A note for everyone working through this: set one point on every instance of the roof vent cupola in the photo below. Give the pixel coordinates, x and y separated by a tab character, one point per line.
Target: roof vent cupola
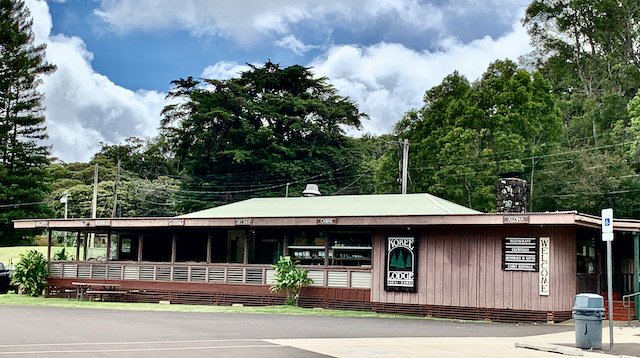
311	190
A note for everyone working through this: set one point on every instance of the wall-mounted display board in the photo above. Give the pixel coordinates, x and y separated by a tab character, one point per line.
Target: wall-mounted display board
520	254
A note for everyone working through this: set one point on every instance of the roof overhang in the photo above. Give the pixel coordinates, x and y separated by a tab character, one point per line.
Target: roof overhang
556	218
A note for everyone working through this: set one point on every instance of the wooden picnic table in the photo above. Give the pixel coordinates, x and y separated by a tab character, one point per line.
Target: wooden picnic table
83	288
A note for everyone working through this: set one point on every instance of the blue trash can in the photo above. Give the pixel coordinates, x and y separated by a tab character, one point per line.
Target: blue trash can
588	313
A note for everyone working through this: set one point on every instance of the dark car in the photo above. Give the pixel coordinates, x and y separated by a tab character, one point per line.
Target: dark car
5	279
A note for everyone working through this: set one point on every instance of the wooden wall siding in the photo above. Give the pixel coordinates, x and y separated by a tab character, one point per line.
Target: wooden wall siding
462	267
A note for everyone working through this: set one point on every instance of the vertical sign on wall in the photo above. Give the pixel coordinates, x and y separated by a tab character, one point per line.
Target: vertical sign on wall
545	251
401	265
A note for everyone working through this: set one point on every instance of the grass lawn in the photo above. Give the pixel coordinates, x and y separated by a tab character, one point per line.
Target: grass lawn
11	255
11	299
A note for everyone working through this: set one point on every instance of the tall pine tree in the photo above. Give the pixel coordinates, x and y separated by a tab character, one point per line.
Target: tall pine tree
23	182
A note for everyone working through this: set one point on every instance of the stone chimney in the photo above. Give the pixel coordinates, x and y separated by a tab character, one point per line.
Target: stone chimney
512	195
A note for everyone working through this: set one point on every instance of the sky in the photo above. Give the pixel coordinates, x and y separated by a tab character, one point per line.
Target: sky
116	58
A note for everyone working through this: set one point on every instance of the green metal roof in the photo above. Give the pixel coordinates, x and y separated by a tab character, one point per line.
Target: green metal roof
336	206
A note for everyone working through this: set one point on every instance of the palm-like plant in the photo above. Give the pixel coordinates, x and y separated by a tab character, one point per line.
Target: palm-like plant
290	278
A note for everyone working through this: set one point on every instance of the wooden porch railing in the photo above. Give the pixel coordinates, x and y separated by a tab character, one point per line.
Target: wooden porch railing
204	273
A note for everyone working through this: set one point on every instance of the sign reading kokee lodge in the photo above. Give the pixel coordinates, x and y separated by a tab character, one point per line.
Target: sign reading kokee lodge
520	254
401	265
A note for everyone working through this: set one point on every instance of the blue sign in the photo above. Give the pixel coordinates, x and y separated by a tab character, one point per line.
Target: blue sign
607	224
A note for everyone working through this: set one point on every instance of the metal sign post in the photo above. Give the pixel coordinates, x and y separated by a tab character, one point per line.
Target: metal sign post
607	235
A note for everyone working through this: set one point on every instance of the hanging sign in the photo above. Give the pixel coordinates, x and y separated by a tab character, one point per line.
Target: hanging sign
327	221
102	222
544	279
176	222
515	219
244	222
401	264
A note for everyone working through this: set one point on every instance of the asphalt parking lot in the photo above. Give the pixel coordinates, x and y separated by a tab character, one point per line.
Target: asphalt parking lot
63	332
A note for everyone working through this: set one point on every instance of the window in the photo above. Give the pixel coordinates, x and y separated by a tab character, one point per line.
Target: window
229	247
340	248
265	246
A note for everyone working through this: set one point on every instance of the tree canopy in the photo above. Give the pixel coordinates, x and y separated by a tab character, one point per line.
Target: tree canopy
590	52
23	180
250	136
467	134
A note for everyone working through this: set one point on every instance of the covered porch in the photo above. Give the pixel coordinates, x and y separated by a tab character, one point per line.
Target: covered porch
463	266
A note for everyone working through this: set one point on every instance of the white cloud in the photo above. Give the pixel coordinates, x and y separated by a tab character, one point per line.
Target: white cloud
295	45
224	70
248	20
387	80
84	108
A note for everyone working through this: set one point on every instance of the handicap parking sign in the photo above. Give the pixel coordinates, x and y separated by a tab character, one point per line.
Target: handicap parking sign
607	224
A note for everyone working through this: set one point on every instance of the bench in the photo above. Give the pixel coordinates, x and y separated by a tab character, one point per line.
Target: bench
102	293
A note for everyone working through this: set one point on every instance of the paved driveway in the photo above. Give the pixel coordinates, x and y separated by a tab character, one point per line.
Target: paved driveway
63	332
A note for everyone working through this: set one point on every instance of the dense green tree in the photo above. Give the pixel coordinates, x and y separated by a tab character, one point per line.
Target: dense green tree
137	197
23	181
149	158
590	51
589	181
466	134
250	136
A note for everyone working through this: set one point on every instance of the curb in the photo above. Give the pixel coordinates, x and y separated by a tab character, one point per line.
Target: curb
576	352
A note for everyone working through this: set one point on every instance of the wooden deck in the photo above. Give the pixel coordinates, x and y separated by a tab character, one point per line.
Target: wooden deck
339	277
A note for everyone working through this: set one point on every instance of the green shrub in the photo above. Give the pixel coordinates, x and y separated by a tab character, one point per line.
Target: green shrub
61	255
290	279
31	273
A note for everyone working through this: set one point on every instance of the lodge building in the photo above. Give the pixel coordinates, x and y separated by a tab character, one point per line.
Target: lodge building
413	254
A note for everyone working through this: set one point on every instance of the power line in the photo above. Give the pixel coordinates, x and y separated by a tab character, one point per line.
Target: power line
472	158
26	204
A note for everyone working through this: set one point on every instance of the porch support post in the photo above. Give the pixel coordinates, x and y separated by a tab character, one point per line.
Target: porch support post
140	243
245	256
636	268
78	243
174	245
285	244
85	243
119	247
326	257
49	245
107	256
209	240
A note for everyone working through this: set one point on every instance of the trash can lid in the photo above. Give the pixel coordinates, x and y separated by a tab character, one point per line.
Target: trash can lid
588	300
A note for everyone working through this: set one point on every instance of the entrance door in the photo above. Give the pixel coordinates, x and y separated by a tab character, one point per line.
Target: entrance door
235	245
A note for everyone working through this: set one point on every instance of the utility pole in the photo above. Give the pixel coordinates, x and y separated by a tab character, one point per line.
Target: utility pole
94	201
64	200
404	164
115	192
400	156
